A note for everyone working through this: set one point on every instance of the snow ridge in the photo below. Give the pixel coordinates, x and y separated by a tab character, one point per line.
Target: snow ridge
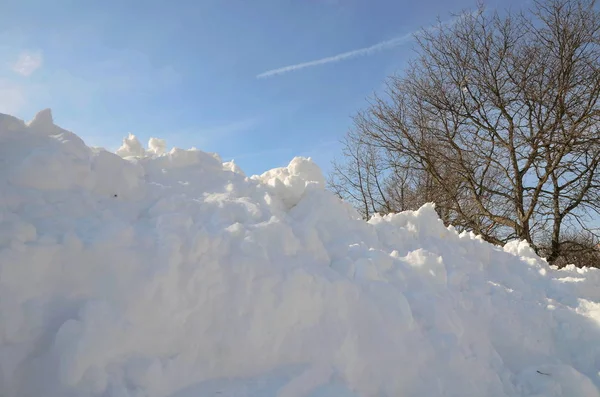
156	272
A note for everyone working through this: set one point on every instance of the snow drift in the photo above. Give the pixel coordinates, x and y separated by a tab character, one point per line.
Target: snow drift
156	272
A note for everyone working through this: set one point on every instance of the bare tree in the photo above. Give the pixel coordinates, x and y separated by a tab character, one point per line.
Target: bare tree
498	117
363	179
578	248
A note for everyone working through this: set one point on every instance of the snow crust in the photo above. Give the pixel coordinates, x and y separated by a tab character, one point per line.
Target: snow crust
156	272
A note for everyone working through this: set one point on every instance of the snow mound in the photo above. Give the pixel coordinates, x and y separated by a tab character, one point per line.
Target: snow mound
291	182
170	273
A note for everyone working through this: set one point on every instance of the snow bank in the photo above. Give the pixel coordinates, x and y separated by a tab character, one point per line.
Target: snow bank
170	273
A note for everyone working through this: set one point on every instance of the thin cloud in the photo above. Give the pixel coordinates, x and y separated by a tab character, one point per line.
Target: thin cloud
28	62
12	98
260	153
382	46
229	128
208	136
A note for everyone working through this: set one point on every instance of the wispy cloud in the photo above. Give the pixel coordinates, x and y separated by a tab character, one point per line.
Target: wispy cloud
28	62
12	97
229	128
261	153
382	46
211	135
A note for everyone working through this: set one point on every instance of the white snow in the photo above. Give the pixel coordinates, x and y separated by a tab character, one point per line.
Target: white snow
170	273
131	147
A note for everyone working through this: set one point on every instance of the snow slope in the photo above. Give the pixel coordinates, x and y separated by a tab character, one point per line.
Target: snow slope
170	273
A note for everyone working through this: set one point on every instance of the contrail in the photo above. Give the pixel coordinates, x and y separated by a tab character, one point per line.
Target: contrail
384	45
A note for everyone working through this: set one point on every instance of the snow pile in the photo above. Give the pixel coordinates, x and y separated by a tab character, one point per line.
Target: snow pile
161	272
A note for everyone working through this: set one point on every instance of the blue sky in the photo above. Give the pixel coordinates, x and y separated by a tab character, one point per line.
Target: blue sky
257	81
